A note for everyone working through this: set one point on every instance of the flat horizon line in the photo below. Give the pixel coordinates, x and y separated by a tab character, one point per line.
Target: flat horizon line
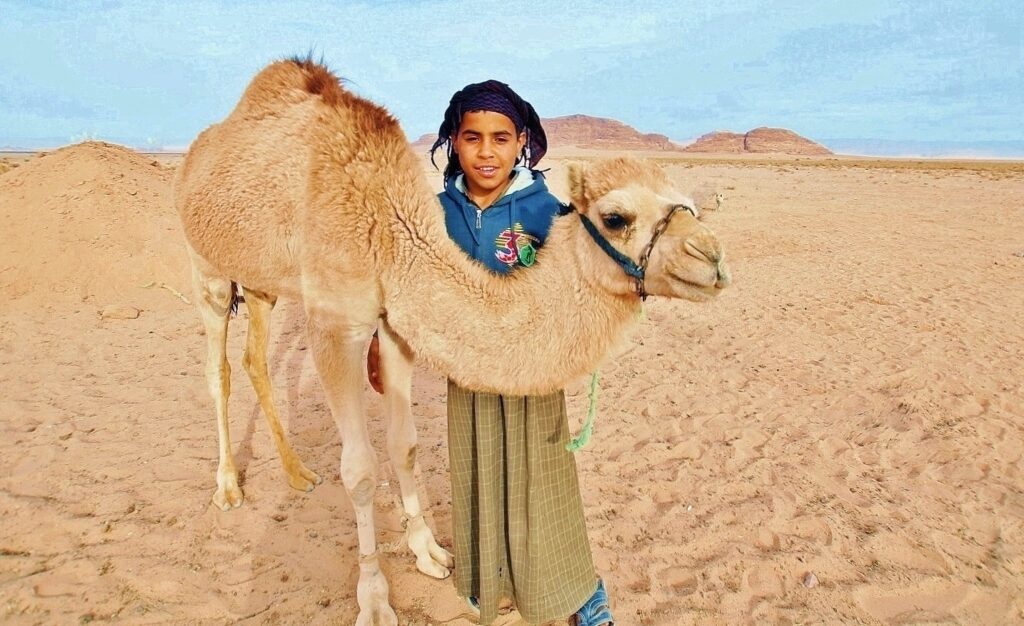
693	156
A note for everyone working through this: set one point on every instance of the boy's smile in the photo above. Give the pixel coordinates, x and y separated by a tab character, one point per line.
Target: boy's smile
488	147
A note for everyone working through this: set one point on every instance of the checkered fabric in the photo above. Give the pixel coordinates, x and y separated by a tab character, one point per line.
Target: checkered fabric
517	513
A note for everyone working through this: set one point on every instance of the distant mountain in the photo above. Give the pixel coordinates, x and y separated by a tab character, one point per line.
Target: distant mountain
584	131
1005	149
758	141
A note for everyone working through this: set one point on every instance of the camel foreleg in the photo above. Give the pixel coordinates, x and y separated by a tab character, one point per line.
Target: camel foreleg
338	355
396	369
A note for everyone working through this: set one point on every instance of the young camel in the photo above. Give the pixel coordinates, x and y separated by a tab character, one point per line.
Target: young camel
309	192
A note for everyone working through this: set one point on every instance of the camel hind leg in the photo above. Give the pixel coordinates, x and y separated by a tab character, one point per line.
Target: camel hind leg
396	370
259	306
213	298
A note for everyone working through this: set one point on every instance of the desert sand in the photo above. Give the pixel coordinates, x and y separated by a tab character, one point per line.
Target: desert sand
837	439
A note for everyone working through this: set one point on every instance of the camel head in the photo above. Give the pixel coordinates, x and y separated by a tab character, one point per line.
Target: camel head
628	201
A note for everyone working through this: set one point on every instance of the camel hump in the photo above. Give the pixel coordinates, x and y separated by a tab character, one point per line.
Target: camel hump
286	83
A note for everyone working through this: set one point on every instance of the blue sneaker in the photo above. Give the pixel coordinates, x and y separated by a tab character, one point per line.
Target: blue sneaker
595	611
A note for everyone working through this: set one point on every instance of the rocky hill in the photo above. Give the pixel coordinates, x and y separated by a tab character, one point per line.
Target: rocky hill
584	131
758	141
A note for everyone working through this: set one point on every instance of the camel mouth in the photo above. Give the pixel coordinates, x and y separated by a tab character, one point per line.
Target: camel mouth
691	289
697	293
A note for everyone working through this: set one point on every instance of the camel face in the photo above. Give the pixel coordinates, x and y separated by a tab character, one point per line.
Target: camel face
626	199
687	262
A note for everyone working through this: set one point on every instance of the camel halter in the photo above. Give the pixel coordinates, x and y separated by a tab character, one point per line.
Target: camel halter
634	269
637	271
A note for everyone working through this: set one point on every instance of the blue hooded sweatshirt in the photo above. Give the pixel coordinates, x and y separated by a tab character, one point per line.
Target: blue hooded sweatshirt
508	233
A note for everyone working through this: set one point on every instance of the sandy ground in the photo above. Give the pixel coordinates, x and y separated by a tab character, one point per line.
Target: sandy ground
837	439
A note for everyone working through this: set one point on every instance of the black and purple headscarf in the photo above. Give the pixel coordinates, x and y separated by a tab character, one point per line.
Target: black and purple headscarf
490	95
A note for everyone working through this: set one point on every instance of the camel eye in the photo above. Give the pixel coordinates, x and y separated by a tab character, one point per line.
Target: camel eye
614	221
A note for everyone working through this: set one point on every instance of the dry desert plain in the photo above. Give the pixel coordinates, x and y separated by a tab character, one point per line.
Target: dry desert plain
837	439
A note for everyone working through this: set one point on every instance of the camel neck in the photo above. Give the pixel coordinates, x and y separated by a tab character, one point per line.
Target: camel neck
516	324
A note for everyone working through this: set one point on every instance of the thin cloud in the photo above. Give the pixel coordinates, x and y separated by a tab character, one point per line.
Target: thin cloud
865	69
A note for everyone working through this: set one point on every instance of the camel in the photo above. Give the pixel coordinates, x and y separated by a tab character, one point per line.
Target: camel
307	191
708	200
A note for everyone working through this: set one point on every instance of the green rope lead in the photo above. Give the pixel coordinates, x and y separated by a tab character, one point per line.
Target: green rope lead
581	440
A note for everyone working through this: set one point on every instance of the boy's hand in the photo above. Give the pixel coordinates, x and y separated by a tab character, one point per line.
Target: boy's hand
373	365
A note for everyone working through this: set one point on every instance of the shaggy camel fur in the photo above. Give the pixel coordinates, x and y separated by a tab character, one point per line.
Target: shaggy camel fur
309	192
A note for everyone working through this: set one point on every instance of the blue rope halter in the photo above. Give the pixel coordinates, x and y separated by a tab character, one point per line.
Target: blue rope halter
634	269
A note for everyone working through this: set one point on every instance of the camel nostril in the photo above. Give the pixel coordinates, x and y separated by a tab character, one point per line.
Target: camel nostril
724	276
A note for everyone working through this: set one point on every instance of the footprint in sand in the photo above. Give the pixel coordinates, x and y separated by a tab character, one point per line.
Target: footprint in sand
680	580
748	447
935	601
832	448
808	527
891	549
763	581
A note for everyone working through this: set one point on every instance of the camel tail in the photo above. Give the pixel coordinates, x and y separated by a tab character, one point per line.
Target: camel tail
236	297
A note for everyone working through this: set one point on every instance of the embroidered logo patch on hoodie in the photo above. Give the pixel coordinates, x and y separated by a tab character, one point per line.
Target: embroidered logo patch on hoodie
515	245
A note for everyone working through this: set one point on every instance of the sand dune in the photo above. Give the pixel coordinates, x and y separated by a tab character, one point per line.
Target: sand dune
838	439
90	222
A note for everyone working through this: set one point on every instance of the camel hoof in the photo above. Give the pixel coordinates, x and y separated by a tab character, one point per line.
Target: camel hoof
374	609
442	556
304	479
437	563
228	498
378	616
432	568
372	595
431	559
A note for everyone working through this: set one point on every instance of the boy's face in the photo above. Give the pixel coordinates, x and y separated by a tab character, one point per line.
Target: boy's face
487	146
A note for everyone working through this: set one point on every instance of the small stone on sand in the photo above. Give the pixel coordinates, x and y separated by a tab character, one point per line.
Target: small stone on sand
767	540
119	312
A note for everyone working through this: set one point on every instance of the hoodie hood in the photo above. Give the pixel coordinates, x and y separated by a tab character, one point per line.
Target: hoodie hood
508	233
525	182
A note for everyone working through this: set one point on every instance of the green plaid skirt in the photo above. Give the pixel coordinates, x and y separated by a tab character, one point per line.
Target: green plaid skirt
517	515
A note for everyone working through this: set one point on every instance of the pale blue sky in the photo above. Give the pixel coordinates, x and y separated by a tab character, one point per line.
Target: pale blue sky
159	72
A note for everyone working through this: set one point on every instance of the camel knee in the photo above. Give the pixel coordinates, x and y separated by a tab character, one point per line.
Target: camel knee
361	490
216	294
358	473
253	363
402	443
403	455
410	458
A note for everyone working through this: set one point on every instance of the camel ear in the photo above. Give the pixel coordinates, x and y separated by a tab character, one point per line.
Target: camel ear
577	185
694	204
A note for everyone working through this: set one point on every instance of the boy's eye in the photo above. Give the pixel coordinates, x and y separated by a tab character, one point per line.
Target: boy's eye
614	221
